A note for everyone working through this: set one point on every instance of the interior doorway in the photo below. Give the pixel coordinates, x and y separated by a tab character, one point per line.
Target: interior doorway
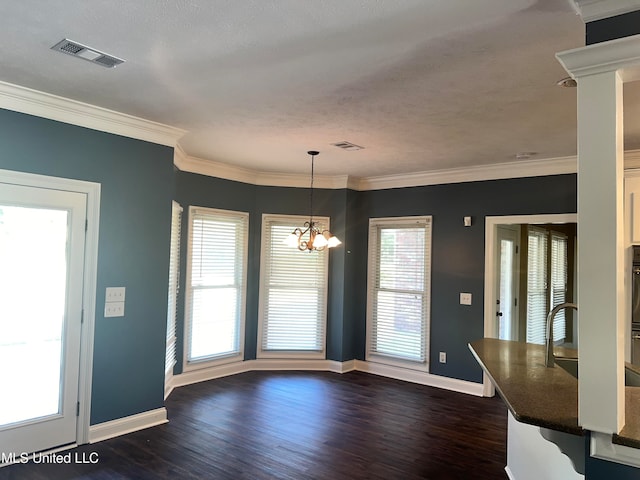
500	284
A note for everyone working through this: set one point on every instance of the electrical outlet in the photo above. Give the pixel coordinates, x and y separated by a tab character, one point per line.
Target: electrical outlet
465	299
443	357
114	309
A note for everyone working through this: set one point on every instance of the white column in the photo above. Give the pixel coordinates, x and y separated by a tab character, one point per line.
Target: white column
601	265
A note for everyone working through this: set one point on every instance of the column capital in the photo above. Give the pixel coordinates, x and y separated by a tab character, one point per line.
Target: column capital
621	55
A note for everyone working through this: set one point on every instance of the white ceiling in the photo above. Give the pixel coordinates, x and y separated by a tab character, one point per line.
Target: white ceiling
421	84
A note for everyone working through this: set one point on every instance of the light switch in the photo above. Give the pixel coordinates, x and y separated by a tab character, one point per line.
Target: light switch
114	309
114	302
465	299
115	294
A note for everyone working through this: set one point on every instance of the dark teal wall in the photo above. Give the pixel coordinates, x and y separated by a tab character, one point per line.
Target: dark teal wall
203	191
200	190
611	28
458	253
135	213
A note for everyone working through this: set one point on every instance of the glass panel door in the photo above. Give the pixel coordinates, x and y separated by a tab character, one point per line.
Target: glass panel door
42	234
34	259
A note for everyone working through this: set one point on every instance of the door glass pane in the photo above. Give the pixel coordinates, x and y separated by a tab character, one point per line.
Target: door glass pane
537	287
559	277
33	277
506	289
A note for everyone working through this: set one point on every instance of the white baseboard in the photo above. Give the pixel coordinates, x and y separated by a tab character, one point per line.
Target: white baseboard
219	371
209	373
169	385
422	378
509	474
132	423
603	448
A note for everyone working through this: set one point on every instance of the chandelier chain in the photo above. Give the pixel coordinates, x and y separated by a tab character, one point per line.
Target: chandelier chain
311	193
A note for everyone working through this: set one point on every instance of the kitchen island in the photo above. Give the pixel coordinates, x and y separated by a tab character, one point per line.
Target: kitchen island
542	396
535	394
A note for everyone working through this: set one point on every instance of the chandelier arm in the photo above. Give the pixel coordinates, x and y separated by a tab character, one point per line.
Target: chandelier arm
318	239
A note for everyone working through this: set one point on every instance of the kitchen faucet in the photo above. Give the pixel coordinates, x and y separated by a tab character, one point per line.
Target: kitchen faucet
549	360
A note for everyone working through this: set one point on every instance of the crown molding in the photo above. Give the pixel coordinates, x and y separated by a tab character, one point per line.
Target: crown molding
45	105
25	100
212	168
591	10
621	54
528	168
496	171
519	169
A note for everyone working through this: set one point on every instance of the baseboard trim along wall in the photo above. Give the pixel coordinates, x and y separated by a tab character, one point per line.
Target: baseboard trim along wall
219	371
132	423
423	378
398	373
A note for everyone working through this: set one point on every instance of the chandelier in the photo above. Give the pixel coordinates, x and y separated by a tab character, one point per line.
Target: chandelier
310	237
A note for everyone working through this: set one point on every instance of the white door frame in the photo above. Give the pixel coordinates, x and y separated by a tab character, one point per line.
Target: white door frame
490	236
92	192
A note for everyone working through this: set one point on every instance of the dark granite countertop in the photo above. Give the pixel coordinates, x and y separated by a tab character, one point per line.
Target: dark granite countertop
535	394
546	397
630	434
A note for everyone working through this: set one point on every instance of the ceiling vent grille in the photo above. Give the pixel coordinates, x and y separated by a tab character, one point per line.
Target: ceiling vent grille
92	55
351	147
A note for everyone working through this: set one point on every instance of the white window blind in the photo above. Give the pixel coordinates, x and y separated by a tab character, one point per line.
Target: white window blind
174	277
559	275
293	292
399	289
537	287
216	284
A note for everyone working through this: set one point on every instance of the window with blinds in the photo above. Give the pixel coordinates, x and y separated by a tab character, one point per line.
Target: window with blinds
537	286
293	292
216	285
547	279
172	303
559	279
398	297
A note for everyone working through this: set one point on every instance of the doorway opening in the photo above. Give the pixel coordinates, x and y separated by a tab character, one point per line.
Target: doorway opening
529	268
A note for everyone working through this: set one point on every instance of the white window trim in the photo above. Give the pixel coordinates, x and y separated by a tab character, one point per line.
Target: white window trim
371	273
260	353
238	356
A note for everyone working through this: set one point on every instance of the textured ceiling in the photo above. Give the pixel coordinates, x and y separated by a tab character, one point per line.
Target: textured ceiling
421	84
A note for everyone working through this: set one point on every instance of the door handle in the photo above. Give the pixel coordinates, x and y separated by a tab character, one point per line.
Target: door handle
499	314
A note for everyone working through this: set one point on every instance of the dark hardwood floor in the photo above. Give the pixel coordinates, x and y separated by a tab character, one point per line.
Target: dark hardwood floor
302	425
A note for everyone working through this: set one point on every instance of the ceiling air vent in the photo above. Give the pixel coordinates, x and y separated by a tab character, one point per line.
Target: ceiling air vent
351	147
87	53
